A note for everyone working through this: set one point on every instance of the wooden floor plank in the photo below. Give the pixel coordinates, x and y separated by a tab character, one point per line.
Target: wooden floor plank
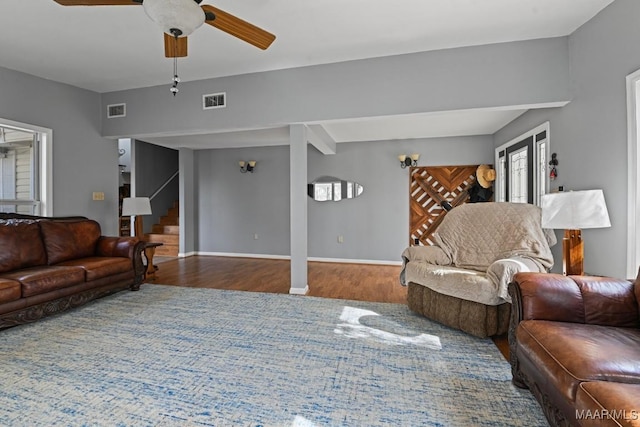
362	282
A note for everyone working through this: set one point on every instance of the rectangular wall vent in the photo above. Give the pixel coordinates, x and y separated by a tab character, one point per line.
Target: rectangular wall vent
214	100
116	110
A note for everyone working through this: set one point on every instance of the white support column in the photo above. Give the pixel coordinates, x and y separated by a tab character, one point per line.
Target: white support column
298	206
187	209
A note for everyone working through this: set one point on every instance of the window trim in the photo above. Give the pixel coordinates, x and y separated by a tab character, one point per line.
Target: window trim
45	172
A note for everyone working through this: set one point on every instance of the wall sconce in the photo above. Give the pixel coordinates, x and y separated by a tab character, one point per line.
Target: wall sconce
411	160
247	166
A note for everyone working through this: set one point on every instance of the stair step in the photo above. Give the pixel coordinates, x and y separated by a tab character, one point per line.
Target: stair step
167	220
167	232
167	239
165	229
167	250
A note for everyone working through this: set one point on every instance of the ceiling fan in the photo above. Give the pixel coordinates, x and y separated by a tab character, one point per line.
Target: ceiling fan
179	18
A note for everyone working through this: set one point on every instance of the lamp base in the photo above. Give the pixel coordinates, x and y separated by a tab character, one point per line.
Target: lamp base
138	228
572	253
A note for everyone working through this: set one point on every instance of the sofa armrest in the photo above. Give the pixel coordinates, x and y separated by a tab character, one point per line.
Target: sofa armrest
579	299
431	254
117	246
128	247
501	272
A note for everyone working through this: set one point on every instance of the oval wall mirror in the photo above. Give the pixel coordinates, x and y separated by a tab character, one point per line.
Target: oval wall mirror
330	188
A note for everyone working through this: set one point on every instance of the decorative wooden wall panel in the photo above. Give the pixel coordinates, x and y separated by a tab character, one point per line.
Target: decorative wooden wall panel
429	186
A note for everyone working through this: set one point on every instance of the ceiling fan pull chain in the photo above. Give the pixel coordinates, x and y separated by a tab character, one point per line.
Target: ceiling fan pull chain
176	79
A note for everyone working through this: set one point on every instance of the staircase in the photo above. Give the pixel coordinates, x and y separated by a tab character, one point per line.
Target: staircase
167	233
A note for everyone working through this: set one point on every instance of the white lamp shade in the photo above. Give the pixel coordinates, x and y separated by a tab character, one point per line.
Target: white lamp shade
574	210
132	206
184	15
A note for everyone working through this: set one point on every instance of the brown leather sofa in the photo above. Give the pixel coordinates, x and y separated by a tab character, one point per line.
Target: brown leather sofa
575	343
49	265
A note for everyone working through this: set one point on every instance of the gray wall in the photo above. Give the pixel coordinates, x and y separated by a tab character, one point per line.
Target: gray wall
497	75
589	134
233	206
154	165
83	161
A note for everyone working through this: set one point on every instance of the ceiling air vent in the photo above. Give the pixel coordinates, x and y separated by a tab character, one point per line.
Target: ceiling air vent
116	110
214	100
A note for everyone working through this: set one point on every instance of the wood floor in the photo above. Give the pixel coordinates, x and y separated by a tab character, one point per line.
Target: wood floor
360	282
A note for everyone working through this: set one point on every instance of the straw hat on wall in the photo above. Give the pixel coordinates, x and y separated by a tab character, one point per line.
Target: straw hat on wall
485	175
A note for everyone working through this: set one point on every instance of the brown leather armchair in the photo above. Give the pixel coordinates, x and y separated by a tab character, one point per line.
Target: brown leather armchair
575	343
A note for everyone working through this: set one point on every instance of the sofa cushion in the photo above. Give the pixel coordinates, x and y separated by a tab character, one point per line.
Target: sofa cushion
21	245
99	267
9	290
39	280
607	301
570	353
456	282
605	403
65	241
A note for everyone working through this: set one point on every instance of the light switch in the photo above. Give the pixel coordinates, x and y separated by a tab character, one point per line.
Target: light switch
98	195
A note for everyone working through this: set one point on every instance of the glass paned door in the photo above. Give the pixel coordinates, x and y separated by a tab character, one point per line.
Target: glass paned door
518	176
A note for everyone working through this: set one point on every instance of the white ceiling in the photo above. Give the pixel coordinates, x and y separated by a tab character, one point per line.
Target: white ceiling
111	48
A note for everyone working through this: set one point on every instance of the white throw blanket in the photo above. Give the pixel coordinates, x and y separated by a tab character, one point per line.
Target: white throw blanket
494	240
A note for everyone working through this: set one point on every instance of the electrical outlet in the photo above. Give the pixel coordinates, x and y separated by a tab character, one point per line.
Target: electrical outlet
255	236
340	239
98	195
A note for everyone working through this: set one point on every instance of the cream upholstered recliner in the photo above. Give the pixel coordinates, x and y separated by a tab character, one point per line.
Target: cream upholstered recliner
461	281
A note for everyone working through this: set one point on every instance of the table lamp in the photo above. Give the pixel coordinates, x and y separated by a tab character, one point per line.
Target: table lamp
574	211
136	206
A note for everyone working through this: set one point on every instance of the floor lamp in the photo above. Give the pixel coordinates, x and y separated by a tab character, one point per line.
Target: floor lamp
574	211
136	206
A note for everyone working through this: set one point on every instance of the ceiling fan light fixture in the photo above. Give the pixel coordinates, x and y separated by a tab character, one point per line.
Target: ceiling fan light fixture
184	15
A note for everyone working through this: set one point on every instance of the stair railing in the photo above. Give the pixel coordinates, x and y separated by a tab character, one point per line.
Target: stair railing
164	185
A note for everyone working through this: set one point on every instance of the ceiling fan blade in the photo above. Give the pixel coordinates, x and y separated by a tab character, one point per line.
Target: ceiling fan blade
175	48
238	28
99	2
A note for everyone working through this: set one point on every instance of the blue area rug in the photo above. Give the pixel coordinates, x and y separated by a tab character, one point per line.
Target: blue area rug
170	356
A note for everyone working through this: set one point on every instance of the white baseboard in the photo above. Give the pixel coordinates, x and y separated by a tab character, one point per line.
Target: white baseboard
239	255
313	259
188	254
355	261
299	291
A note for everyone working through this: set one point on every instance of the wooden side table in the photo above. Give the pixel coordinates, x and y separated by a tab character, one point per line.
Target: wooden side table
149	251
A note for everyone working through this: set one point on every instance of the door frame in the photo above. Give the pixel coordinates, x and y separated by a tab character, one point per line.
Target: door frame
533	162
633	160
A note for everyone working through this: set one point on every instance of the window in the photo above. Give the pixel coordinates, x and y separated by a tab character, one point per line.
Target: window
541	150
501	178
521	167
24	177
